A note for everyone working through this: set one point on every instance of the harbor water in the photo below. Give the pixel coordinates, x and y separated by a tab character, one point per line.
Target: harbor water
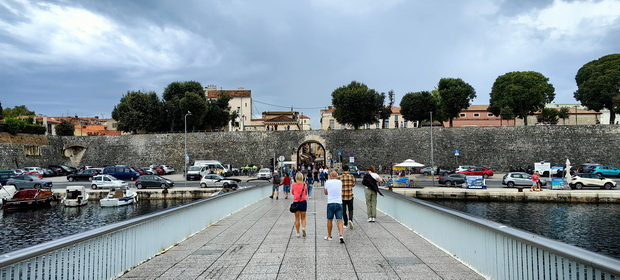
22	229
594	227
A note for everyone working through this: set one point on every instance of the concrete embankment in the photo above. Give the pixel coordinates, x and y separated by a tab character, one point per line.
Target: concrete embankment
513	195
178	193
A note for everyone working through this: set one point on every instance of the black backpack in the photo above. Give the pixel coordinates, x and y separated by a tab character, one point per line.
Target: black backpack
276	179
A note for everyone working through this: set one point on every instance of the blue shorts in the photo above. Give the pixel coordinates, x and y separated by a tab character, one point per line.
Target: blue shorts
334	209
276	187
286	188
302	206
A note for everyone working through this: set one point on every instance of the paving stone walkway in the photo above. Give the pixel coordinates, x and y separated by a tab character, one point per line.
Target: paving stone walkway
259	242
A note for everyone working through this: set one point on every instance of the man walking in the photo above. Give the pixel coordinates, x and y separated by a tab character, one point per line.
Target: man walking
275	180
333	190
348	182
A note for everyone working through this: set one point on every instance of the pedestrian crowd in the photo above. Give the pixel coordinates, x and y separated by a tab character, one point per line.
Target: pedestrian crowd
338	190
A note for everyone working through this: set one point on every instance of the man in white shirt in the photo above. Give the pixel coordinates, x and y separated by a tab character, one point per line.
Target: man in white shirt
333	190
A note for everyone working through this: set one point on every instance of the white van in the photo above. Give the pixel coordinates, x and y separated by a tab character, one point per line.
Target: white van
204	167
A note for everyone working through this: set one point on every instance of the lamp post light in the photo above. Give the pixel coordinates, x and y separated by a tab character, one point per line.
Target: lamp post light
185	156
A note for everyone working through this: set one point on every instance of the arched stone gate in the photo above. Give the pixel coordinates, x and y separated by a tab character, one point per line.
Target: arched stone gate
312	150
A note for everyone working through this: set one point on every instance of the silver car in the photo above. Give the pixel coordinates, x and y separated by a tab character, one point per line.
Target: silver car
104	181
513	179
264	173
27	181
216	180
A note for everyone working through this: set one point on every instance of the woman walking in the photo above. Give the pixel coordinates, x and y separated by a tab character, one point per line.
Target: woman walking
299	191
310	180
370	181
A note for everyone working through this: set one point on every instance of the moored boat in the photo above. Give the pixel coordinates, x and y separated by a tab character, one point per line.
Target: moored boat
75	196
7	192
119	197
28	198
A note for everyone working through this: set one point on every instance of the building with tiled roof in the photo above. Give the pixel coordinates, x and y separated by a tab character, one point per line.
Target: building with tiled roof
280	121
86	126
241	102
395	120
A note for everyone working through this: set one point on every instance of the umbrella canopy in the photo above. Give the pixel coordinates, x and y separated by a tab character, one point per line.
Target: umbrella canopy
409	163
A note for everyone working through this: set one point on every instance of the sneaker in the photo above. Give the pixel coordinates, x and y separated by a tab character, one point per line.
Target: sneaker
341	239
303	232
271	196
328	238
350	224
297	235
374	220
286	197
276	197
369	220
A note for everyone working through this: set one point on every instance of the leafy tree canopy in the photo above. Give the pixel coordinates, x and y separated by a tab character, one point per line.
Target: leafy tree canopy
356	104
17	111
386	111
172	96
598	85
218	112
455	95
522	93
416	106
548	116
139	111
65	128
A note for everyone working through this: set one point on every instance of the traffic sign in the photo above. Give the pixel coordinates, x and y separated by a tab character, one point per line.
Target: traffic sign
281	158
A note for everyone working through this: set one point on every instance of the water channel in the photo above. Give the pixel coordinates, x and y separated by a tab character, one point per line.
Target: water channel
21	229
594	227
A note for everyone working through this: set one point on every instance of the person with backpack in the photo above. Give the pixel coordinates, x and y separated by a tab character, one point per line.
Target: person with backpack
275	180
310	181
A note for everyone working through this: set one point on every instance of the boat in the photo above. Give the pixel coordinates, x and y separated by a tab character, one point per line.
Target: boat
75	196
7	192
28	199
119	197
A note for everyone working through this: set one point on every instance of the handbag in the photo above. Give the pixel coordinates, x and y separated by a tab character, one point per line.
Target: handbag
294	205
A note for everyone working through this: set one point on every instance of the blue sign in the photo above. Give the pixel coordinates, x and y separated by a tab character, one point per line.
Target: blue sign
475	182
557	183
339	153
456	152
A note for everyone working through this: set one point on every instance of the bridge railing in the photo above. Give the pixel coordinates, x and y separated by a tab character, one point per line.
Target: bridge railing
107	252
493	249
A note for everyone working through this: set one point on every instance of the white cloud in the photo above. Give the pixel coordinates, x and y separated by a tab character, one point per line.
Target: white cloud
59	35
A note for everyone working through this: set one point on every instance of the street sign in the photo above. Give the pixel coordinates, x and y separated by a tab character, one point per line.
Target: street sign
456	152
339	153
281	158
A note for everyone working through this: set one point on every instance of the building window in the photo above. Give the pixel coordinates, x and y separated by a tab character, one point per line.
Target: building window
489	114
331	124
405	124
461	115
476	115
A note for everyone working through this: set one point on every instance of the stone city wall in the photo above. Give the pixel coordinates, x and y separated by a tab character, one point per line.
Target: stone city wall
494	147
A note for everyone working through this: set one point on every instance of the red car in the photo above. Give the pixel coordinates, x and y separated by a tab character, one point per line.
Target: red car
478	171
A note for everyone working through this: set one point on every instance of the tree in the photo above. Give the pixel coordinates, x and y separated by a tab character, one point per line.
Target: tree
522	93
17	111
455	95
139	111
563	114
172	96
65	128
548	116
1	113
218	112
416	106
356	104
386	111
598	85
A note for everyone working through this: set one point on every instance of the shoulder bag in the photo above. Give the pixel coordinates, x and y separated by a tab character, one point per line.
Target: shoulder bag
294	205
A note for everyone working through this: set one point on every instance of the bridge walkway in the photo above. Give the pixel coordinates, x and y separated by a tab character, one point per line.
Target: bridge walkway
258	242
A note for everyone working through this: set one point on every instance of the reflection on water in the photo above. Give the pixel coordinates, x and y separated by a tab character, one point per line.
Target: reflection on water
593	227
21	229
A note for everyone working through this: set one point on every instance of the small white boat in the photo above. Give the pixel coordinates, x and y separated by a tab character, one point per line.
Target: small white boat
7	192
75	196
119	197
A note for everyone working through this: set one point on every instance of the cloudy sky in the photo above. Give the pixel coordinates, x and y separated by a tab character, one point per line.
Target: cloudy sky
70	57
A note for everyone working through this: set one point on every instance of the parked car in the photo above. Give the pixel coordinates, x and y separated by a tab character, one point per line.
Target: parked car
61	170
122	172
478	171
36	171
513	179
148	170
103	181
48	172
153	181
5	175
587	167
427	171
83	175
452	179
168	169
216	180
157	169
580	180
264	173
463	168
193	173
606	170
27	181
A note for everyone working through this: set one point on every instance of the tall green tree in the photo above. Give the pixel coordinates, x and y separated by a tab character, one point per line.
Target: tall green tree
417	106
65	128
218	112
139	111
174	111
356	104
523	93
197	105
17	111
455	95
386	111
1	112
563	114
598	85
548	116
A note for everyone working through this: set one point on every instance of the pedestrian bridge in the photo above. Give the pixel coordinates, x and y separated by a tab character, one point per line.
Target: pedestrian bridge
411	239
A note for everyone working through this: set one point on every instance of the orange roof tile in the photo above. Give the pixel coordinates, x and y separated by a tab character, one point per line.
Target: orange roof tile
232	93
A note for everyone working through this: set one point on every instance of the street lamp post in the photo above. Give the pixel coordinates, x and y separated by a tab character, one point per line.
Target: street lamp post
185	157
